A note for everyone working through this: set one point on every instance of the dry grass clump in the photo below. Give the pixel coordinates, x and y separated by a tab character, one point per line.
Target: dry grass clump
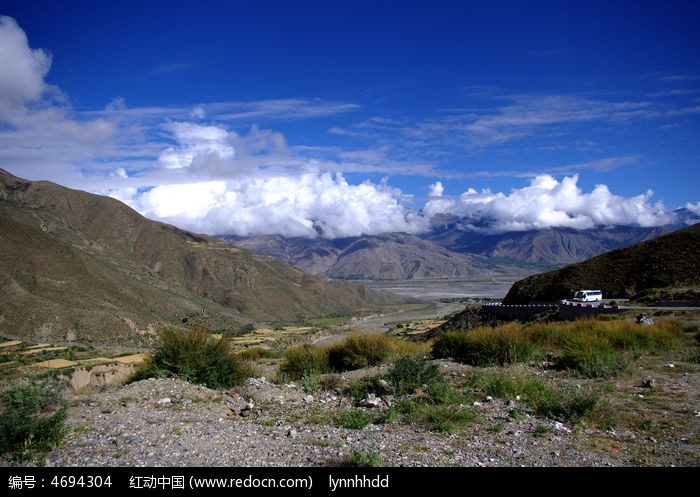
591	347
195	356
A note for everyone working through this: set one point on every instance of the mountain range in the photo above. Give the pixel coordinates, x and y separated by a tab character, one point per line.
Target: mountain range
447	251
82	268
389	256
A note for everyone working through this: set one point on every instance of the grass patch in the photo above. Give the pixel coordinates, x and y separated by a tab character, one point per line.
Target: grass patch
570	404
356	419
447	418
256	353
595	347
327	321
541	431
486	346
311	384
355	352
592	355
401	348
498	385
441	394
441	418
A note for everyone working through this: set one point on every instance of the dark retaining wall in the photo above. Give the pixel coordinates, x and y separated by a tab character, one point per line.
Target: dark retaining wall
564	310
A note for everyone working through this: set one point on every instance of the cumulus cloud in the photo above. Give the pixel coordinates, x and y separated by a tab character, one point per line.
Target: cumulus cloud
23	70
436	189
306	201
39	132
248	192
547	202
311	204
195	141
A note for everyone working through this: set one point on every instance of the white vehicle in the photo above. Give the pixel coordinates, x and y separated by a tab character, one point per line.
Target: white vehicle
588	296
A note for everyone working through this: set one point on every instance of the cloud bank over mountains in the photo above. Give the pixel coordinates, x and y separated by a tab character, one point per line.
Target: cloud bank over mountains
306	201
547	202
187	167
324	204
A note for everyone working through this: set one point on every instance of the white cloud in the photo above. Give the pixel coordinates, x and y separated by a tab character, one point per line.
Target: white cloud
694	208
436	189
291	108
39	133
547	202
311	204
23	70
198	112
526	115
194	142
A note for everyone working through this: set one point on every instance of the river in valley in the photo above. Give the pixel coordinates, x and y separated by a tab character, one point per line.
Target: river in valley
442	297
432	290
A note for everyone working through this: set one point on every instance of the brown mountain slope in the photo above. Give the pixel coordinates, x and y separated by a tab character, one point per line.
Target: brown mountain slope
668	261
78	267
388	256
403	256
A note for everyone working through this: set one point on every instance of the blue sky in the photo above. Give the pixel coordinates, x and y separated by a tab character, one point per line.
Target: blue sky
342	118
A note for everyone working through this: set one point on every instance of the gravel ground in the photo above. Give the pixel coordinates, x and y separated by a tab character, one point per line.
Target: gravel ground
171	423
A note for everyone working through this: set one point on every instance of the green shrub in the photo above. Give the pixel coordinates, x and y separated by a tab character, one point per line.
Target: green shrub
593	356
355	419
409	373
311	384
246	328
541	431
359	351
32	418
195	356
450	345
408	408
691	328
302	360
364	459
